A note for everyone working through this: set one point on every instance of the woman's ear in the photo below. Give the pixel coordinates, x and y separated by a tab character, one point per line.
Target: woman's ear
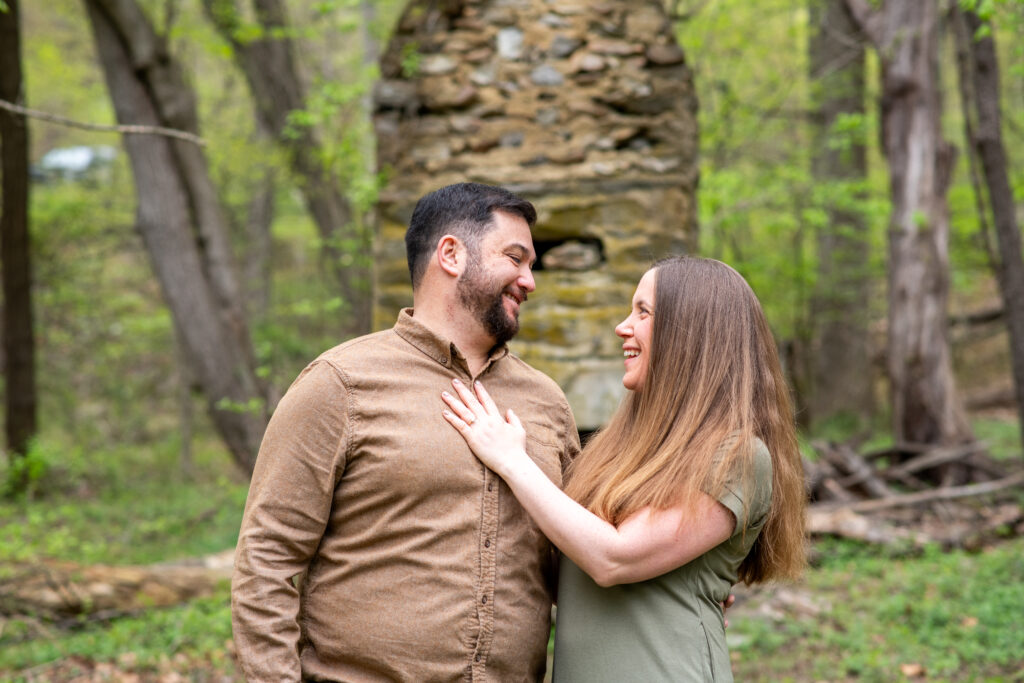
451	255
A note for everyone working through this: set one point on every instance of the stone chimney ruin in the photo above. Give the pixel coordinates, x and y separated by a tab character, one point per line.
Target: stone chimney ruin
584	107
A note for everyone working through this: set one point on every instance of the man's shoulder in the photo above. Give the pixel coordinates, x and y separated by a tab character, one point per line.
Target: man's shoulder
358	350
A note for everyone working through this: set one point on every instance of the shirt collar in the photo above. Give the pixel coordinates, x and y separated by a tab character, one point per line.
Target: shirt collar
435	346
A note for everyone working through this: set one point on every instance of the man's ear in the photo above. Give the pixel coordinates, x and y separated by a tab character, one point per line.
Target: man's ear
451	255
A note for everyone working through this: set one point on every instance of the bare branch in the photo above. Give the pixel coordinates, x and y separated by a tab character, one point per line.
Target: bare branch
947	493
868	19
125	129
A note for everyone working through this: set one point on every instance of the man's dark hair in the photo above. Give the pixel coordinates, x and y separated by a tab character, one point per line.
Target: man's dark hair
465	210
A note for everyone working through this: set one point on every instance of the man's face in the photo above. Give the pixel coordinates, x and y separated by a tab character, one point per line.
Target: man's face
499	276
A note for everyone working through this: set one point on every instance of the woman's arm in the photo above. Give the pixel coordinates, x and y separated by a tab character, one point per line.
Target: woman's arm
647	544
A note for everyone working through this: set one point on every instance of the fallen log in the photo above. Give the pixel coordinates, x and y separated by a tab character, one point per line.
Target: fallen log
846	523
60	589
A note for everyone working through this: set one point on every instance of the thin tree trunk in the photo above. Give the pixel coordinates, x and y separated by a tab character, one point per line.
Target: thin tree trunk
272	72
181	222
988	144
925	405
186	414
15	253
259	219
841	377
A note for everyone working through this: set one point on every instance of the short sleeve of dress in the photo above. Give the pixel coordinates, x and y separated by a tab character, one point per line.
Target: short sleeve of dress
750	504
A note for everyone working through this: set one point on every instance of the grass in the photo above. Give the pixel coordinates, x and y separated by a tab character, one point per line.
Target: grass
950	616
1001	435
192	639
127	506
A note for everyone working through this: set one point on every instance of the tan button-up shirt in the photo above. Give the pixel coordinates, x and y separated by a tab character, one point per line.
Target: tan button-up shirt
420	563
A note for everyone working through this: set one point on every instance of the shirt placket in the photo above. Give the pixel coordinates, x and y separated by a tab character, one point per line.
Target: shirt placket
488	570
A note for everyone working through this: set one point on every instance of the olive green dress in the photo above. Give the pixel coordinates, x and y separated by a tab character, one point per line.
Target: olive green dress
669	628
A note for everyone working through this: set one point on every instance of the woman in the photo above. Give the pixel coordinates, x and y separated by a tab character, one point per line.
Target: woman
694	484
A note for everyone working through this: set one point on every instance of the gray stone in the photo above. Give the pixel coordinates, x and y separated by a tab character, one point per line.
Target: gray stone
464	124
586	62
572	255
594	394
554	21
484	75
547	75
512	139
548	116
437	65
437	149
665	55
563	46
395	94
658	165
510	43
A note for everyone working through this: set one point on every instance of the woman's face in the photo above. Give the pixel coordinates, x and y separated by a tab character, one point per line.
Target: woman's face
635	331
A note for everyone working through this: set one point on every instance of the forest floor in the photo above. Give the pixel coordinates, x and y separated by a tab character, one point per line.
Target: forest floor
861	613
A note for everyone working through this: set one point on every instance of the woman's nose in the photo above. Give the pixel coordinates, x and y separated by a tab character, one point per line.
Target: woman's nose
624	329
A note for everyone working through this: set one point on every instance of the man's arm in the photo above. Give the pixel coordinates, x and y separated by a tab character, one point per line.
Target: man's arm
289	504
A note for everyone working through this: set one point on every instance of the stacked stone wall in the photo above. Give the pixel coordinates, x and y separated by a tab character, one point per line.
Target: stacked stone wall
587	109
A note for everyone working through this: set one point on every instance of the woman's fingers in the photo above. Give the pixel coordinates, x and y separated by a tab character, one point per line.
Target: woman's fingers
454	420
458	408
468	398
486	399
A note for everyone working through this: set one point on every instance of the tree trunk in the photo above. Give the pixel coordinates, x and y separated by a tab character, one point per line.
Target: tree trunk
925	405
258	249
841	382
181	221
15	253
982	78
272	72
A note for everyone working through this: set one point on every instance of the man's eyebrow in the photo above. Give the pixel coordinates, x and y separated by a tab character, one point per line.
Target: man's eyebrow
524	250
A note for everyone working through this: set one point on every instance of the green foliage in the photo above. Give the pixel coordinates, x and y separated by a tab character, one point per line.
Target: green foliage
411	59
759	206
80	512
25	472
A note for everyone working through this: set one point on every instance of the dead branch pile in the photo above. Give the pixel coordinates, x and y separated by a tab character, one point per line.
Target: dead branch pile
913	494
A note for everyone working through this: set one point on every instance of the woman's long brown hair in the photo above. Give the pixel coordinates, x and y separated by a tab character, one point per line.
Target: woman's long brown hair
713	384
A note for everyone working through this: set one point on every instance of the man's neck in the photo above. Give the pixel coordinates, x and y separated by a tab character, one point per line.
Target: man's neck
456	324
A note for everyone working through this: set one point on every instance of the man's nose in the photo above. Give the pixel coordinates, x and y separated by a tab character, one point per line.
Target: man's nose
526	280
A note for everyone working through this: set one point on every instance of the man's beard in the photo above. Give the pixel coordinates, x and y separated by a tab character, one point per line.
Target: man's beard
484	300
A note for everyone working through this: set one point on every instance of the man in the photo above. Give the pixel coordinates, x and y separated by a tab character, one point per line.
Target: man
419	563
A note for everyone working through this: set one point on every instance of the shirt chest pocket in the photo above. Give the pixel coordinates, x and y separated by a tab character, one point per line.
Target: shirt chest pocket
545	449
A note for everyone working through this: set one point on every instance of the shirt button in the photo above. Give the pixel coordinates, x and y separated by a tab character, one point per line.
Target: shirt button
484	600
487	543
443	359
490	486
477	658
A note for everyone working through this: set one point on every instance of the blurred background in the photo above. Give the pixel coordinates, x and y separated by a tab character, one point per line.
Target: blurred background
200	196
